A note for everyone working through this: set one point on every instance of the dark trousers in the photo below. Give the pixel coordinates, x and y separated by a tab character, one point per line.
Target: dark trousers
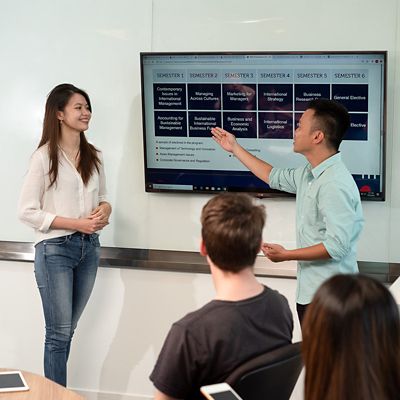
301	310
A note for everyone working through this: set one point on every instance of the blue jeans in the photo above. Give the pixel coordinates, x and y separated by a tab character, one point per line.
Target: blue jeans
65	270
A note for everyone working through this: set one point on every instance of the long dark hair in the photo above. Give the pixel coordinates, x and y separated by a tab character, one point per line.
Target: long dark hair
88	155
351	341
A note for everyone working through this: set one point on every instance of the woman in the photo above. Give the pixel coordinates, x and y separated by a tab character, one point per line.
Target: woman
351	341
64	199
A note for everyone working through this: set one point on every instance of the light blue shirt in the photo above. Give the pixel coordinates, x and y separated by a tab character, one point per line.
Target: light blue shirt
328	211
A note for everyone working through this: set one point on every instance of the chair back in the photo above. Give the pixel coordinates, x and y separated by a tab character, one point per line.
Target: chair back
269	376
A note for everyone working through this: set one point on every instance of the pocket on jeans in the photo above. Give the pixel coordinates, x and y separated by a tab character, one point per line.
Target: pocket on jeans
57	241
94	239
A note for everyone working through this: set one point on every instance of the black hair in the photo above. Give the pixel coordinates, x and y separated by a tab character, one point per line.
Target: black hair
332	118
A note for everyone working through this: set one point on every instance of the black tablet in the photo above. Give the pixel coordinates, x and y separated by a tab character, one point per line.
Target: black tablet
12	381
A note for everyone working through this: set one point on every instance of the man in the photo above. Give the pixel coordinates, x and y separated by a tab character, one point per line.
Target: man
329	215
244	320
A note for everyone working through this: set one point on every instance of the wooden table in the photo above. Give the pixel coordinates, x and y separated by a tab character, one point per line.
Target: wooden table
40	388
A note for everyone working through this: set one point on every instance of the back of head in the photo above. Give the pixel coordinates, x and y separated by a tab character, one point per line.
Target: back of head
351	341
332	118
232	226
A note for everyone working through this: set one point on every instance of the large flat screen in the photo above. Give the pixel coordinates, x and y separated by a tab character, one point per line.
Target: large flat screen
259	97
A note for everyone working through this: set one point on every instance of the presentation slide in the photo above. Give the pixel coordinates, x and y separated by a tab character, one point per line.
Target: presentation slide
260	99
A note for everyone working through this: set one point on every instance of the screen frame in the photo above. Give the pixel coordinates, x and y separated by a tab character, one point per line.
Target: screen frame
269	192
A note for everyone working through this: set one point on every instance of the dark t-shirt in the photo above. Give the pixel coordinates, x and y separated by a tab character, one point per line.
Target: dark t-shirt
206	345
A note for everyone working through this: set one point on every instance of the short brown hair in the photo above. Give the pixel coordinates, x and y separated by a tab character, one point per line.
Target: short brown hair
232	228
351	341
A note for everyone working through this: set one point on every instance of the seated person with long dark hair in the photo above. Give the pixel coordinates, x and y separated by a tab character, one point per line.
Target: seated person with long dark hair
351	341
245	318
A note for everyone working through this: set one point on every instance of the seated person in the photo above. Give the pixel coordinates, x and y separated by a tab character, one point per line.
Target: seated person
351	341
245	318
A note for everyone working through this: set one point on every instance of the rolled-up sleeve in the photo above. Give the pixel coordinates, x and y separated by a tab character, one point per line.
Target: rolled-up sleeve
341	216
31	198
102	181
283	179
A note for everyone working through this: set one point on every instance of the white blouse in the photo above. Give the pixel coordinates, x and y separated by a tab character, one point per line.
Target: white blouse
68	197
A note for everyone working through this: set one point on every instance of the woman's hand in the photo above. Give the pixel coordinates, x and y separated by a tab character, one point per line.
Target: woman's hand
90	225
97	220
102	212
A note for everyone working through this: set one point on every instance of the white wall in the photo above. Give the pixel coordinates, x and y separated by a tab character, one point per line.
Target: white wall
95	44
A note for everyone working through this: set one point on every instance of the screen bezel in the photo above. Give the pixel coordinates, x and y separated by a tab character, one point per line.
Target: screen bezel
268	192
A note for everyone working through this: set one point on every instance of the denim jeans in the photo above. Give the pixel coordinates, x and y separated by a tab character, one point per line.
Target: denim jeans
65	270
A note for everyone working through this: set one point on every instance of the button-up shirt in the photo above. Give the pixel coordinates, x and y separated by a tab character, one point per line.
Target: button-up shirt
328	208
68	197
